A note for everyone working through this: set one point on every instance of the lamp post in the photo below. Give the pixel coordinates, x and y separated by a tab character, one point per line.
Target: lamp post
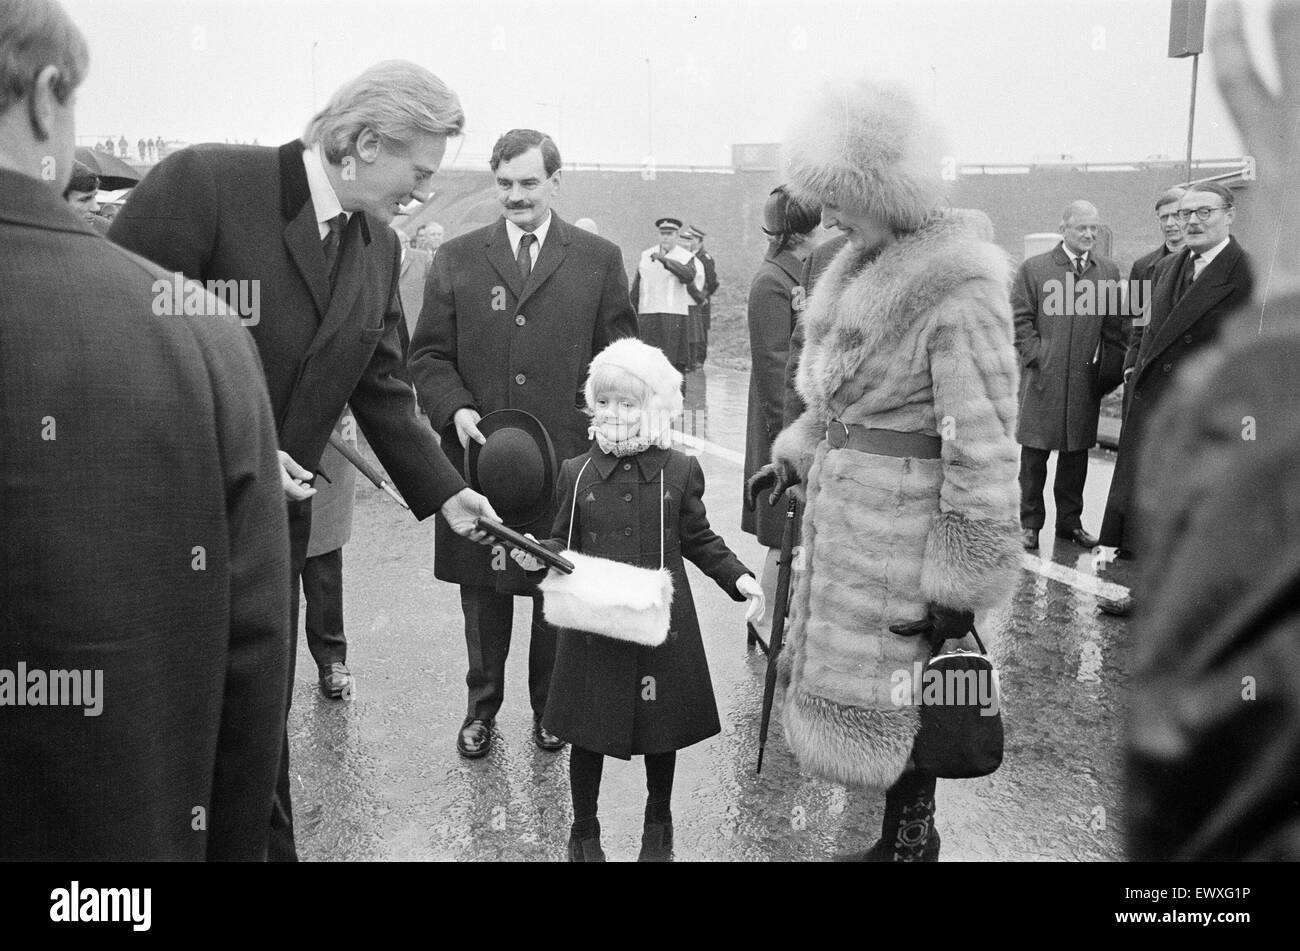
1187	38
649	108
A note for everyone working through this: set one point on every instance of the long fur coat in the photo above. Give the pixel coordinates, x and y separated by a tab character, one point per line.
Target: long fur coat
920	338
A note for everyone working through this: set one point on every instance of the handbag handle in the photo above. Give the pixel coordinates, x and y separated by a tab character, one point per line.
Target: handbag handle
574	511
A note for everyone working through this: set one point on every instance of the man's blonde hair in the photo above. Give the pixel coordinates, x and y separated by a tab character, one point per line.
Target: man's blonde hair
399	100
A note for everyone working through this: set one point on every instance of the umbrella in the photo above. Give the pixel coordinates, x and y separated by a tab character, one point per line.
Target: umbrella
112	171
779	609
365	468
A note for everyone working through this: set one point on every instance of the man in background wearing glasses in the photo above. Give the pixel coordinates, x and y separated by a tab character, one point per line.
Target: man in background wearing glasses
1193	292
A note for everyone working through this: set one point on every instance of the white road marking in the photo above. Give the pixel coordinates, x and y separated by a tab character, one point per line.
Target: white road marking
713	449
1088	584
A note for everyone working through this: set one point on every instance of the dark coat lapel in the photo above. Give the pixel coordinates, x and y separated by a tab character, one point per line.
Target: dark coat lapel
498	253
1215	283
550	258
348	282
788	262
302	233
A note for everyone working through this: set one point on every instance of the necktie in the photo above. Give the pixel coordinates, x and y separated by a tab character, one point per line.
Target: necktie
1079	266
1190	274
331	244
525	258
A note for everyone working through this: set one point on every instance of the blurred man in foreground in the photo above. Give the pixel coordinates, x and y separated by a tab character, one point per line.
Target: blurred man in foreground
144	555
1213	744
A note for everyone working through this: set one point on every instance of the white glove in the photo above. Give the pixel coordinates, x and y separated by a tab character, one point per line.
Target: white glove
524	560
753	592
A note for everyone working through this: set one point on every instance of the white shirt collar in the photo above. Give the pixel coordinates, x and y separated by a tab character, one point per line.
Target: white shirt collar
514	233
323	197
1210	255
1071	255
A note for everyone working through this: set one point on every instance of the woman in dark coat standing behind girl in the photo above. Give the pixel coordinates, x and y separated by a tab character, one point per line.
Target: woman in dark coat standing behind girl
774	300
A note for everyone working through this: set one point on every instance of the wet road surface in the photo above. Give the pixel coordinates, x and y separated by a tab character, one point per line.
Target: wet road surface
377	777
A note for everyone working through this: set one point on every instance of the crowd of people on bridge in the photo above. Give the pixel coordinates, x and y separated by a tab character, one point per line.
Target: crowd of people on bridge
170	485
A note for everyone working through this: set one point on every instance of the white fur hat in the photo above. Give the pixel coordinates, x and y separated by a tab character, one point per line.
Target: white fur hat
867	146
648	366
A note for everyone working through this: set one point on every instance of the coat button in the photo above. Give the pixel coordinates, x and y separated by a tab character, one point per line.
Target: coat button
520	378
626	465
627	497
628	530
519	320
1187	339
1167	367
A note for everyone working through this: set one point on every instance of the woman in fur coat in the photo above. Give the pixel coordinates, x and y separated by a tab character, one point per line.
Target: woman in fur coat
906	449
633	499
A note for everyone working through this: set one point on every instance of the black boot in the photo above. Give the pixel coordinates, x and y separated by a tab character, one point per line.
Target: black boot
657	842
907	833
584	843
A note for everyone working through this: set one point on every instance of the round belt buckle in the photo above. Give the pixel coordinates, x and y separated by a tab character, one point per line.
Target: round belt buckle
837	434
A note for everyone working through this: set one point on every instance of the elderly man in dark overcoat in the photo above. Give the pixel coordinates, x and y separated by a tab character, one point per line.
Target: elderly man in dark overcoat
144	553
513	314
302	231
1069	308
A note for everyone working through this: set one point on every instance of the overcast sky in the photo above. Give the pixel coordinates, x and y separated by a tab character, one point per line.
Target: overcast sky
1013	80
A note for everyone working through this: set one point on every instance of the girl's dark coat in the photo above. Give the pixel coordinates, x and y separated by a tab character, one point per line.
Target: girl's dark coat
614	697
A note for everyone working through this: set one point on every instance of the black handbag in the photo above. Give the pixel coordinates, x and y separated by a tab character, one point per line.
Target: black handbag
961	715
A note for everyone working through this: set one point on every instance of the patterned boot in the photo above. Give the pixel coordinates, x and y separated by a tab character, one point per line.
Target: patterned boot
907	833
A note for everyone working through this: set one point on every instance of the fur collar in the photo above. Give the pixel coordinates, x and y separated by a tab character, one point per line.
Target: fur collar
863	306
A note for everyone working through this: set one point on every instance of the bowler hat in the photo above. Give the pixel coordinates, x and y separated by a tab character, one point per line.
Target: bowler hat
514	468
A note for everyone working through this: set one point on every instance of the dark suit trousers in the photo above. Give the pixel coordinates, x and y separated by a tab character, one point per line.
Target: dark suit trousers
1071	473
322	586
280	845
488	620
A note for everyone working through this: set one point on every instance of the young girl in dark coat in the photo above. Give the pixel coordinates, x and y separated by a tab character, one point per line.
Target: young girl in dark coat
612	697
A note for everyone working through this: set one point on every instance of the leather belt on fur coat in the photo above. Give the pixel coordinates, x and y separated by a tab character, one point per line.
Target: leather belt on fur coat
882	442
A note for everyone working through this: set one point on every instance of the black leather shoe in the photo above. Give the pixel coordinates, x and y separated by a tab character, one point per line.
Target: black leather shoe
544	740
1029	538
656	842
475	739
1120	607
334	680
1079	537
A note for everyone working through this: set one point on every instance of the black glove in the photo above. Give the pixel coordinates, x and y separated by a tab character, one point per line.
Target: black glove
771	476
940	624
683	272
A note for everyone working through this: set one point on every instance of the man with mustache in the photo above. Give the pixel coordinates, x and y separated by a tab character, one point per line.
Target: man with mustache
1194	292
512	316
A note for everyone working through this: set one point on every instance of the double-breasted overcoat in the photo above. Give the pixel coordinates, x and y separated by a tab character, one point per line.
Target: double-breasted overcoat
615	697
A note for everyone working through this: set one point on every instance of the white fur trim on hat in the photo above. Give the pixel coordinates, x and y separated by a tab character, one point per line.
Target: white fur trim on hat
867	146
648	365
